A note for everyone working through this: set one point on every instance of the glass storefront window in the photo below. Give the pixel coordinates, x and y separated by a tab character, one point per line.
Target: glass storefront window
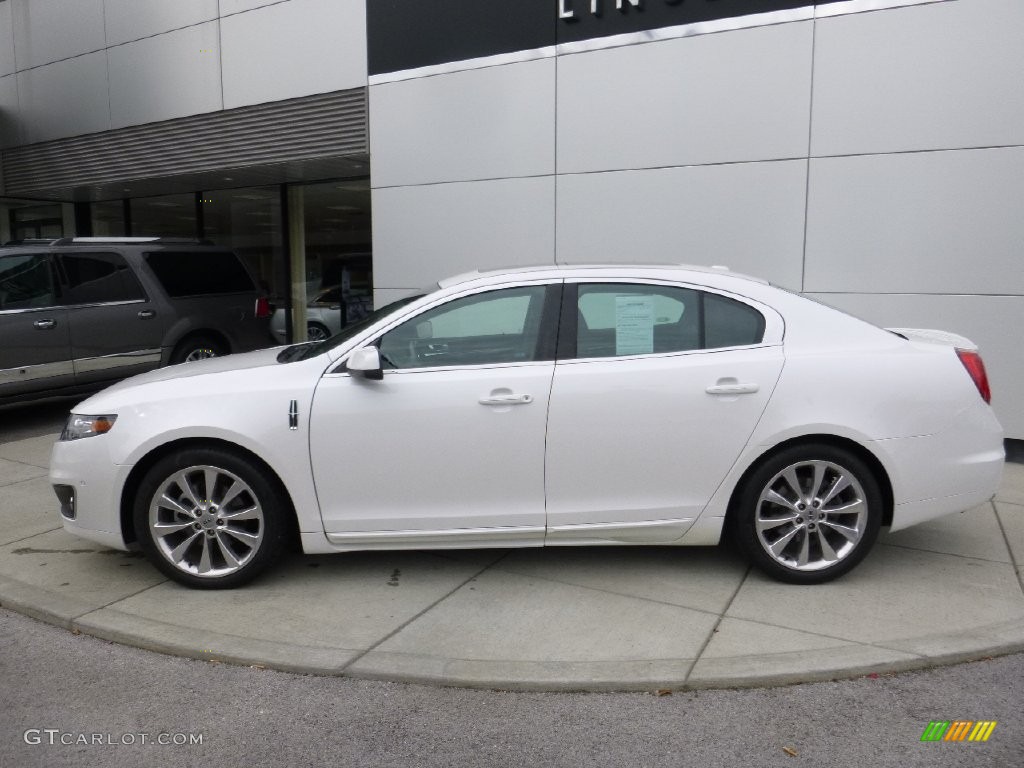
165	216
108	218
338	249
248	221
37	221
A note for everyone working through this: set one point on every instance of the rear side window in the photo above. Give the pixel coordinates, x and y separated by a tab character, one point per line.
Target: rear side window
26	281
95	278
199	273
614	320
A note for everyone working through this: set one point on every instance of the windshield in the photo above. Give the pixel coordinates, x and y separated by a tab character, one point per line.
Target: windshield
305	351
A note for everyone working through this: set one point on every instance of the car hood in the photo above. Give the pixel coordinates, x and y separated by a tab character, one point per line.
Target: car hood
261	358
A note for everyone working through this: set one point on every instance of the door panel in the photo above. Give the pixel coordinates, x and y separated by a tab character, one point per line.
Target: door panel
638	440
35	353
419	451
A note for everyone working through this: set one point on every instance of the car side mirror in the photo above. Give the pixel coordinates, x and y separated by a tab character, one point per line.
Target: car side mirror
365	362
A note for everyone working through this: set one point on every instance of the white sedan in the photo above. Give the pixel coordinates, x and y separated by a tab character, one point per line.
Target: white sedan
556	405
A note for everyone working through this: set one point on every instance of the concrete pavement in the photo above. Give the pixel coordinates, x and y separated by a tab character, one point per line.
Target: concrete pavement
547	619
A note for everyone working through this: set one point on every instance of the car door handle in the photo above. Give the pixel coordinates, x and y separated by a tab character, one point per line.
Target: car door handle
44	325
734	388
506	400
146	314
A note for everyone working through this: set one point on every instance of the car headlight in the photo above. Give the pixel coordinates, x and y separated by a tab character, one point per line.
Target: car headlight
79	426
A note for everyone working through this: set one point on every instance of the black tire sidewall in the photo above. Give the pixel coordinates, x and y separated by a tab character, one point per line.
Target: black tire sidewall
191	344
745	511
271	498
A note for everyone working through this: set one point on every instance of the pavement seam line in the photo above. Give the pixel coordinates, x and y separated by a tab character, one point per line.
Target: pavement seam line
411	619
714	629
1006	539
611	592
32	536
74	619
937	552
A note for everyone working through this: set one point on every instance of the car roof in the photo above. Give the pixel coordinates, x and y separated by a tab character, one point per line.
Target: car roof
671	271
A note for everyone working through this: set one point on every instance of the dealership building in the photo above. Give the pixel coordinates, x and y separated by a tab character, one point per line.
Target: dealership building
867	153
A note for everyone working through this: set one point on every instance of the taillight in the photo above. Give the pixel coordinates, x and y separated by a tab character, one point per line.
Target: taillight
262	308
976	368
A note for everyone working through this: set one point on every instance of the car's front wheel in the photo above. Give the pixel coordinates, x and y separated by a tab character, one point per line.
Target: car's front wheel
210	518
808	514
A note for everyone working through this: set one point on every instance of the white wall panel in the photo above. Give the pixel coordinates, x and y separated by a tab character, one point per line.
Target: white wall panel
941	75
6	39
238	6
67	98
748	216
480	124
134	19
741	95
991	322
9	117
426	233
49	30
931	222
293	49
384	296
167	76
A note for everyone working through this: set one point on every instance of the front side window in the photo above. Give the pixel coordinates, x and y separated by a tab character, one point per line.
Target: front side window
96	278
614	320
501	326
26	281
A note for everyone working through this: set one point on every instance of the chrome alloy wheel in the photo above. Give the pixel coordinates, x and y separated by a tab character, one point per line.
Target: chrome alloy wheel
206	521
200	353
811	515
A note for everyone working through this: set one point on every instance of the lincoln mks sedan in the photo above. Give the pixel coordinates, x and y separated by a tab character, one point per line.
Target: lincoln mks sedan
557	405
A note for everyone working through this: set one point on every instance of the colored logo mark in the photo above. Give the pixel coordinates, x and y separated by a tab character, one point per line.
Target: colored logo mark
958	730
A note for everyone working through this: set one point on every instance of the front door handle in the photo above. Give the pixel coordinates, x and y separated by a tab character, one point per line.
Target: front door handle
146	314
732	389
44	325
506	400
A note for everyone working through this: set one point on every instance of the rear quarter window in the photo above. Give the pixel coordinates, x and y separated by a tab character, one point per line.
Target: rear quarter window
199	273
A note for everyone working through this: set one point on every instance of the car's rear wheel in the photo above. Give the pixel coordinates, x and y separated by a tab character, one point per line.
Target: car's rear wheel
210	518
808	514
197	348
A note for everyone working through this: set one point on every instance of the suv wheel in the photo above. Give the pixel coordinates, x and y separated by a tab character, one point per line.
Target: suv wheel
197	348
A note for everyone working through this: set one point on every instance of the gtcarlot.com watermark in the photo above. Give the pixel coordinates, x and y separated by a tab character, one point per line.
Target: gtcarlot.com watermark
56	737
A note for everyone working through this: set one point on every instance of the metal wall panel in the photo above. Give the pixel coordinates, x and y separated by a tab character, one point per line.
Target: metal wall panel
166	76
7	65
424	233
730	97
51	30
67	96
482	124
128	20
747	216
292	49
939	76
922	222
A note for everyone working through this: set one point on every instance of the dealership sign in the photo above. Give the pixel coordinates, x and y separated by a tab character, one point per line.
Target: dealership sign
409	34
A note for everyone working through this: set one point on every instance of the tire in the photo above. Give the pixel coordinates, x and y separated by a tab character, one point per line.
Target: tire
808	514
317	332
209	518
197	348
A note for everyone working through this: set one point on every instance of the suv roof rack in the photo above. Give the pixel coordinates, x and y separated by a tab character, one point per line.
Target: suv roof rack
31	241
129	241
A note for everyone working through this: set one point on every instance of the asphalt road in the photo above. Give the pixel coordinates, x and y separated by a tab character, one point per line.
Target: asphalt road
56	686
59	687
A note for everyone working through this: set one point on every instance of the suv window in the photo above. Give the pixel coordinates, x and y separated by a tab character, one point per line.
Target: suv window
632	319
192	273
26	281
493	327
94	278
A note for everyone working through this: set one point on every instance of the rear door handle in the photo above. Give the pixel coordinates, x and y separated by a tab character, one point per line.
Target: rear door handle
506	400
146	314
732	389
44	325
